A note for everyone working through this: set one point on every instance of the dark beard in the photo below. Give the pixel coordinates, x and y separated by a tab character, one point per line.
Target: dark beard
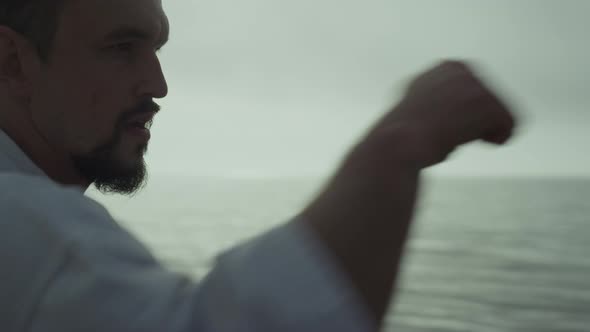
102	169
108	176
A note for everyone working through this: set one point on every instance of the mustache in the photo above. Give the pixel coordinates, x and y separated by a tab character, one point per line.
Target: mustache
145	106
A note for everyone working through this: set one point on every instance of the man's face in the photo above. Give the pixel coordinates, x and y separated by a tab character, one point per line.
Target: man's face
94	94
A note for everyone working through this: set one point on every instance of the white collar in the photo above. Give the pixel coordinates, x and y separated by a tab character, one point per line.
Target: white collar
15	160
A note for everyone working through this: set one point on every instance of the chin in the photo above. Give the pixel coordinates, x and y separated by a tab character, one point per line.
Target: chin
125	176
123	180
115	167
130	157
129	164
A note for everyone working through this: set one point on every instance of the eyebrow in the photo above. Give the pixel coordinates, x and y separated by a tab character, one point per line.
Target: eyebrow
129	32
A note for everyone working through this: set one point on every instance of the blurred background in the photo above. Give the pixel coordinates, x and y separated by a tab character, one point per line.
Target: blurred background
266	96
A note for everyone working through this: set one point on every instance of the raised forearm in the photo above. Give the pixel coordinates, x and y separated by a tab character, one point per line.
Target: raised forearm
363	217
363	214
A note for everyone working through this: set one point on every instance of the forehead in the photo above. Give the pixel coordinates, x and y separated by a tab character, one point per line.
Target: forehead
92	19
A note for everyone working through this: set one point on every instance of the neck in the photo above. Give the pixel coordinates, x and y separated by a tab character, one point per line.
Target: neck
56	164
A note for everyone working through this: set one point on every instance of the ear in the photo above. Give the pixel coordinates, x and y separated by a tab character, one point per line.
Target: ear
19	63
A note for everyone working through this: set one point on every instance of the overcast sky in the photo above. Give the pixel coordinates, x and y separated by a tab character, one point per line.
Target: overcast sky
285	87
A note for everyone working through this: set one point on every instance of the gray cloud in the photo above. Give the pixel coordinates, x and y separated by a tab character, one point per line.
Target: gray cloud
285	87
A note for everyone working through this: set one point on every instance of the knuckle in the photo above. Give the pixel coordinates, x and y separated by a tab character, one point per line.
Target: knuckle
456	65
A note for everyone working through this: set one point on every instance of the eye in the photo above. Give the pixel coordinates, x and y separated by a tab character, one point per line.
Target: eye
125	47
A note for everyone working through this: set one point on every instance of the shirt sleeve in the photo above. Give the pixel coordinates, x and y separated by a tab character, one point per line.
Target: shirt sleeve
283	280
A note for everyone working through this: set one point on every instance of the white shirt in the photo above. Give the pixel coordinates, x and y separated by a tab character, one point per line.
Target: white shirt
66	265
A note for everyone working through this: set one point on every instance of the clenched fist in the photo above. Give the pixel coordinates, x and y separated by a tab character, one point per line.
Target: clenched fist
443	108
364	213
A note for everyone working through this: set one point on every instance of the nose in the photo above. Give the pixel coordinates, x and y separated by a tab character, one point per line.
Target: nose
153	83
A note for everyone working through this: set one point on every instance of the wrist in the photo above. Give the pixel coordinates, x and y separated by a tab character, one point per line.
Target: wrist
401	146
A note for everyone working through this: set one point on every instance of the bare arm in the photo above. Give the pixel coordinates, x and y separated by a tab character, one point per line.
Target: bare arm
364	218
364	213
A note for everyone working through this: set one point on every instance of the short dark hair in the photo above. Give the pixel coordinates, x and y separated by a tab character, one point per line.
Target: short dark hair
36	20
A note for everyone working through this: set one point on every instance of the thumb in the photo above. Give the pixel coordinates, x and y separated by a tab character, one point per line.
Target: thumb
503	131
498	137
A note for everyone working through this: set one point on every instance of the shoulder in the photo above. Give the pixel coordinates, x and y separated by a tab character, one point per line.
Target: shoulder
34	199
33	243
35	207
66	260
35	189
39	213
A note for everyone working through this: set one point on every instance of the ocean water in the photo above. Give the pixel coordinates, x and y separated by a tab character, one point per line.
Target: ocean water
484	254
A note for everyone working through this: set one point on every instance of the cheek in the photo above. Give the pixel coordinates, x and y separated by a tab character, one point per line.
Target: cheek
96	117
79	102
76	117
104	109
53	112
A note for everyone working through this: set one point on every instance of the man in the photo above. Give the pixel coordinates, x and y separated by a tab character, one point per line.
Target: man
77	83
